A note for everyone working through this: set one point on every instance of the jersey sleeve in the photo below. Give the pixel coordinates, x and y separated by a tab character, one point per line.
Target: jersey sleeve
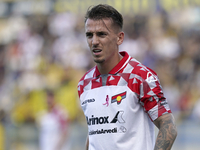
151	94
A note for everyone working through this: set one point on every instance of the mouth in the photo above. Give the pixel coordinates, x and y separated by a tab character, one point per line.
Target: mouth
96	51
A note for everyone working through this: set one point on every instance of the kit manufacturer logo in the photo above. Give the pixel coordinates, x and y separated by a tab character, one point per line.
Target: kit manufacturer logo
88	101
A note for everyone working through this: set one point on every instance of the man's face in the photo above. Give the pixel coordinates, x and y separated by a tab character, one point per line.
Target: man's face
103	39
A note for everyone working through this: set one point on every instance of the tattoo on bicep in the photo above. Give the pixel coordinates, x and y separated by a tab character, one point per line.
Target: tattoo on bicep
166	134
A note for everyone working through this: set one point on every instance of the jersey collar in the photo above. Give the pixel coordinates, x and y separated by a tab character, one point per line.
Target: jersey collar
118	67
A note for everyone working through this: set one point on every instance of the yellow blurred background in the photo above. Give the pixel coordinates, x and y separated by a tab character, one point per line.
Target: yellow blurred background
43	47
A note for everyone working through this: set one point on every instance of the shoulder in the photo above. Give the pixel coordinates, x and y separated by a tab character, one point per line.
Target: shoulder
141	70
89	74
85	79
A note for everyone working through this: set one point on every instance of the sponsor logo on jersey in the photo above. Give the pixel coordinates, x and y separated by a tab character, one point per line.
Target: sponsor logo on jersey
97	120
103	131
88	101
105	119
118	98
122	129
118	117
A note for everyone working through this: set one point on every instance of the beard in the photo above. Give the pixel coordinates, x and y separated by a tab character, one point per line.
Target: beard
99	61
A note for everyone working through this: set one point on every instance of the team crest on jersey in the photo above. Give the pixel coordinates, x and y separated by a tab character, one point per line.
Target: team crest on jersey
118	98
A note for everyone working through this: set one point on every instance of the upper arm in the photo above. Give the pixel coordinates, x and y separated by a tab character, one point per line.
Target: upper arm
166	119
167	132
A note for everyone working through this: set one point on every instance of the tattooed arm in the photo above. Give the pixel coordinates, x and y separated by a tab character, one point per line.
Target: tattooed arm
167	132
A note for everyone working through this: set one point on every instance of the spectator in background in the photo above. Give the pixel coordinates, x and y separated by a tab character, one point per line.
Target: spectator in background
53	126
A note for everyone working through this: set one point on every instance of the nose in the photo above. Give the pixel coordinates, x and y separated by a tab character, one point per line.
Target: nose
95	40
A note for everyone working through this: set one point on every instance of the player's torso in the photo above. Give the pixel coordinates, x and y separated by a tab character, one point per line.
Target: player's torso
115	117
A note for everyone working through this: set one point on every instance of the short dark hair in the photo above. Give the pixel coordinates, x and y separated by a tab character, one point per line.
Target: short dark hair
103	11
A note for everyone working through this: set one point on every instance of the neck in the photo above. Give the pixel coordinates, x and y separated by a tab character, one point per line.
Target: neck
106	67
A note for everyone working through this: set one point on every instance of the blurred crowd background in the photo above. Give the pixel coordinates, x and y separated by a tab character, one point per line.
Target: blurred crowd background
43	48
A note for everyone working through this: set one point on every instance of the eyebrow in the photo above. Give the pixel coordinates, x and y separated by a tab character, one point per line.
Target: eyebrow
88	33
99	32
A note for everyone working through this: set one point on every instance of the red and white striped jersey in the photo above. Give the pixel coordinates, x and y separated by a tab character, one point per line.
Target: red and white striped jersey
120	106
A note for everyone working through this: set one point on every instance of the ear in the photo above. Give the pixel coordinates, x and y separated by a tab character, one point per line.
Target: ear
120	38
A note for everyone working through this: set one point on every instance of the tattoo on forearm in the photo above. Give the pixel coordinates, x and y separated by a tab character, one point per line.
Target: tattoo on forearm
167	135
